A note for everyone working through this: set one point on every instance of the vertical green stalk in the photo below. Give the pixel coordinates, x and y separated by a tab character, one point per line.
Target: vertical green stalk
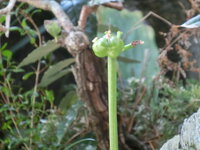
111	46
112	103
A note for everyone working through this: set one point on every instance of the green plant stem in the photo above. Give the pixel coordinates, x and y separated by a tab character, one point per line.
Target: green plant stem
112	103
33	100
128	46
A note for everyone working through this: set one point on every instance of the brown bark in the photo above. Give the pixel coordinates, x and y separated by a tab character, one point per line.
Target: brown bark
89	73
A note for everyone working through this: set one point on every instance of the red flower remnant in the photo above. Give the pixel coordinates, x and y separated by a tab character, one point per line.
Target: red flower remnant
137	42
108	34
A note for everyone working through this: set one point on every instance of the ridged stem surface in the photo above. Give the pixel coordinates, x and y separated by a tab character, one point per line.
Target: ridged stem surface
112	103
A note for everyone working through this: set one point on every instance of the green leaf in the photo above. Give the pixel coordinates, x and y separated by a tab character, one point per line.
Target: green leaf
31	32
32	40
2	18
8	54
35	11
24	24
192	23
17	70
68	100
56	71
6	91
47	81
52	27
3	46
16	28
64	125
27	75
78	142
39	52
50	96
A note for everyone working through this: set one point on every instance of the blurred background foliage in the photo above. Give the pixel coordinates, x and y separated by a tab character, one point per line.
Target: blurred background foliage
45	113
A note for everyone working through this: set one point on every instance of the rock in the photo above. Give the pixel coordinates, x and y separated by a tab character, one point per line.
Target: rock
189	138
172	144
190	132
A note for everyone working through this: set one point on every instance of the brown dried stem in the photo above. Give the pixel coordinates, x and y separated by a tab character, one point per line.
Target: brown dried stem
2	28
87	10
55	8
118	6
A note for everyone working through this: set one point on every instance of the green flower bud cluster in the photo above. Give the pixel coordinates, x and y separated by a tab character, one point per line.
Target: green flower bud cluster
108	45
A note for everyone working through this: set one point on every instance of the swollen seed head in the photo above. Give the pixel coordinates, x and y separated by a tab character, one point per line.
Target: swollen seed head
100	47
108	45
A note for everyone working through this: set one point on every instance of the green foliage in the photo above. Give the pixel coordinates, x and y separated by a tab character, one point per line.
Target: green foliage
56	71
27	75
16	106
26	29
39	52
34	118
162	108
176	104
52	28
60	126
7	54
68	100
2	19
29	118
64	125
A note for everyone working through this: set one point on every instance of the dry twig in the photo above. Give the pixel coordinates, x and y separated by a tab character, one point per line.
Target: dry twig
7	11
8	8
2	28
87	10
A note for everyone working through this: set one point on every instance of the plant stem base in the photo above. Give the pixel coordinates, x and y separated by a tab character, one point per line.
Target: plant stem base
112	102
